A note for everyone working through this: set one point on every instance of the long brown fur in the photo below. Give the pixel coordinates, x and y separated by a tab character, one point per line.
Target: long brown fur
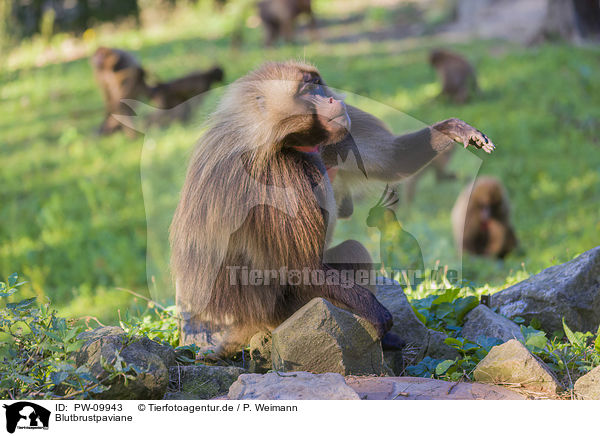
481	219
252	198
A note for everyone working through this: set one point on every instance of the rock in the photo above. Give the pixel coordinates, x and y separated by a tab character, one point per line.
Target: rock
570	290
298	385
201	382
587	387
260	352
321	337
406	325
417	388
484	321
513	363
151	357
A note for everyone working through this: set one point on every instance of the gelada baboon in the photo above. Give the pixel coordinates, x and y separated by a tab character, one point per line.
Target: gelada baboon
456	74
257	200
119	76
279	18
172	98
481	219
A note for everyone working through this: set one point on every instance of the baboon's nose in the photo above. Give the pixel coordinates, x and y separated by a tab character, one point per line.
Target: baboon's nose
338	113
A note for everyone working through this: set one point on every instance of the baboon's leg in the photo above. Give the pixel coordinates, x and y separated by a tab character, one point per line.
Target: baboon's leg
194	331
350	254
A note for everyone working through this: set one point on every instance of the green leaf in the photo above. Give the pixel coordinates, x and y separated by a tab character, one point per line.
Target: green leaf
12	279
59	377
536	341
570	335
448	296
53	348
442	310
518	320
453	342
21	304
442	367
71	334
419	315
53	335
74	346
462	306
597	342
470	347
8	293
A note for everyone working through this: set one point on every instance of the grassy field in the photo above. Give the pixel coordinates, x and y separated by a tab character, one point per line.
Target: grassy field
72	212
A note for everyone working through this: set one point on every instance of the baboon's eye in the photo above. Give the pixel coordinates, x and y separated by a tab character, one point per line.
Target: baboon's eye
308	88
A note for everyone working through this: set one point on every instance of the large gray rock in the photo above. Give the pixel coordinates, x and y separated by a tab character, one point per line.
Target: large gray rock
417	388
484	321
152	358
406	325
587	387
291	386
201	382
570	290
321	337
514	364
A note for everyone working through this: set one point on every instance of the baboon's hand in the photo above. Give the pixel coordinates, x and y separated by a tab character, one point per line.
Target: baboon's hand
384	321
460	131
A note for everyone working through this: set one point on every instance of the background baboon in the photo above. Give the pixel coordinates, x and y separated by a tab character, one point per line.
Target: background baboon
456	73
119	76
279	18
481	219
257	195
173	97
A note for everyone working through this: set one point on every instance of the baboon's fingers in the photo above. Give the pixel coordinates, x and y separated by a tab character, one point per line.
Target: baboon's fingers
480	140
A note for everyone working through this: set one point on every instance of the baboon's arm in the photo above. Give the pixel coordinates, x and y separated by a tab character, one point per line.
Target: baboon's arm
379	154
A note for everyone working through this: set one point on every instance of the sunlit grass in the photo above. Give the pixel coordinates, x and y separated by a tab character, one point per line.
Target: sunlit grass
72	214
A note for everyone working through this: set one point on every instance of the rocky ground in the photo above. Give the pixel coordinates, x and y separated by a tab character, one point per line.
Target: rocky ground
324	352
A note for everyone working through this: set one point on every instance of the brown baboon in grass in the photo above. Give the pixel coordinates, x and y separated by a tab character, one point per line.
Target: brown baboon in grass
459	82
279	18
481	219
173	97
258	198
120	76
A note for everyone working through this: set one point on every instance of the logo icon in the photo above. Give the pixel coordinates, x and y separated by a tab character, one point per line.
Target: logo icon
26	415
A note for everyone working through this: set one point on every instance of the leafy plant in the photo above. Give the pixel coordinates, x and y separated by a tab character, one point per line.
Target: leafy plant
36	349
444	312
568	353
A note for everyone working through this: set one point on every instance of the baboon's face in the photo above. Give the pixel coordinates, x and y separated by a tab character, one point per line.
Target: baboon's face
304	111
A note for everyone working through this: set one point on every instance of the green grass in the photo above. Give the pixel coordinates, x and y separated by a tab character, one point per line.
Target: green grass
72	213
